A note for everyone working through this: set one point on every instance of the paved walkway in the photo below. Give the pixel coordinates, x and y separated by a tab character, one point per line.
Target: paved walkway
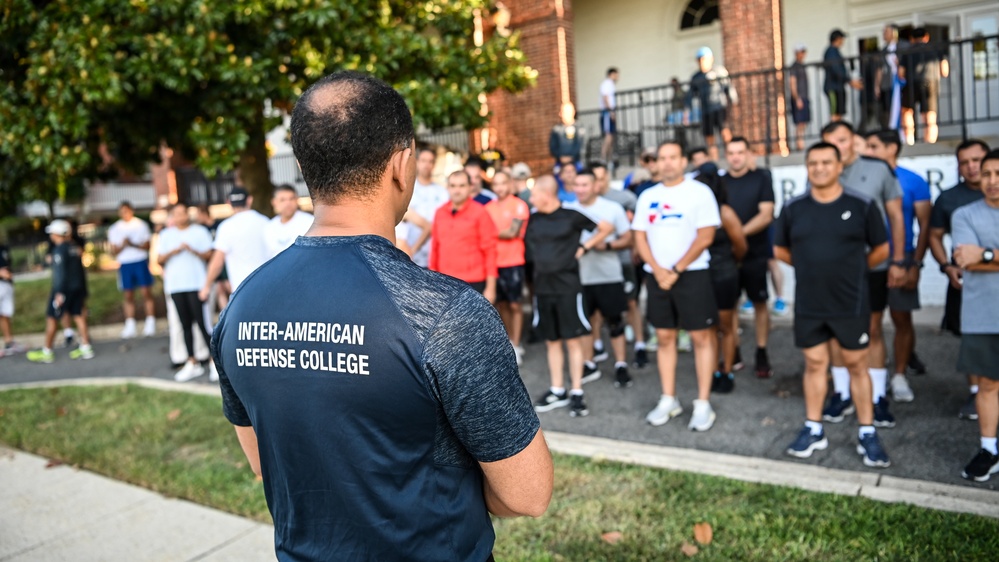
60	513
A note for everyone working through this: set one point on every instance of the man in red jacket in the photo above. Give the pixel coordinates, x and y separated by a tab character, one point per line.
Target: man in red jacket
463	240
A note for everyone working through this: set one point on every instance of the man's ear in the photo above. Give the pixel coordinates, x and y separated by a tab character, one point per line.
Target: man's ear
398	165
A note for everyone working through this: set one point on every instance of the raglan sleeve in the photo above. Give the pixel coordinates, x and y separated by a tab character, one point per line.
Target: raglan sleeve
877	234
232	407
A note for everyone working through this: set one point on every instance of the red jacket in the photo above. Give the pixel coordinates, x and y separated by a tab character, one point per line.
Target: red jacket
463	242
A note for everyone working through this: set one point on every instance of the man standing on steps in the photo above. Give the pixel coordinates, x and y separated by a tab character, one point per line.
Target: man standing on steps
674	226
970	154
874	179
976	241
288	222
832	235
428	196
553	241
751	196
239	243
902	300
608	116
129	240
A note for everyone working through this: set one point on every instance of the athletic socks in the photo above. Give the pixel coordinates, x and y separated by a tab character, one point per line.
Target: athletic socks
598	345
814	427
619	364
989	444
879	380
639	345
841	382
575	392
865	430
560	390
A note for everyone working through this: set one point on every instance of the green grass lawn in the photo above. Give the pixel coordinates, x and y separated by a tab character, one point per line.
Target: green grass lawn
180	445
103	304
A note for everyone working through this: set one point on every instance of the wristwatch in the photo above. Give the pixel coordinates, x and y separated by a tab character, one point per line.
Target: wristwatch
943	268
988	255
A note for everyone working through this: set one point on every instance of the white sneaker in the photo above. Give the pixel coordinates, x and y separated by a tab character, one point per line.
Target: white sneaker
150	328
703	417
900	390
517	350
189	371
129	331
213	373
667	409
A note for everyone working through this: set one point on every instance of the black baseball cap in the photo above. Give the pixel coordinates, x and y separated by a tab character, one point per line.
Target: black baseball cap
238	196
836	34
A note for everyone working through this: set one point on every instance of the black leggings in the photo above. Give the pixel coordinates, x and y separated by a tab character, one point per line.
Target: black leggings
189	308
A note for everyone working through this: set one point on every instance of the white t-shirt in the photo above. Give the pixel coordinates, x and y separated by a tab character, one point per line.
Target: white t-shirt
241	238
607	90
670	217
280	235
184	272
427	198
135	231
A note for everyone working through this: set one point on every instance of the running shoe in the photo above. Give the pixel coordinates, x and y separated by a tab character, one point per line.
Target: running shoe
882	416
667	409
746	309
577	407
599	354
970	410
900	390
189	371
723	383
703	417
621	377
68	337
82	352
641	358
13	348
915	365
874	453
213	372
591	373
837	408
550	401
807	443
984	464
683	343
780	307
41	356
149	329
763	369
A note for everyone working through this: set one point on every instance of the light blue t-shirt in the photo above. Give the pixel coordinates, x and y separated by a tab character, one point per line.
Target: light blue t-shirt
977	223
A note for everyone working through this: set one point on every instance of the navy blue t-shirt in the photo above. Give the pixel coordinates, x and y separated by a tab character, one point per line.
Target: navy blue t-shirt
375	387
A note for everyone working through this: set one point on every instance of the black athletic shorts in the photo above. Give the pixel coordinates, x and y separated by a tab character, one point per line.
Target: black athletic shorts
689	305
714	120
979	355
803	115
510	284
560	317
753	279
923	95
632	282
608	298
877	282
952	311
725	281
837	101
73	305
851	333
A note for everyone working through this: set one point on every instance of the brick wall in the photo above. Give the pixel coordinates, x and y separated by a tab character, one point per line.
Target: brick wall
752	36
521	122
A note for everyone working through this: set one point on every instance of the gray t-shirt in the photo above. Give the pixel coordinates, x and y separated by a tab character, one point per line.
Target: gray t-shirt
873	178
597	267
977	223
628	200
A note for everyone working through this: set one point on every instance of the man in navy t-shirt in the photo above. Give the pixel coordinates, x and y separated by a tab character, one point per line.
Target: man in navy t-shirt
345	368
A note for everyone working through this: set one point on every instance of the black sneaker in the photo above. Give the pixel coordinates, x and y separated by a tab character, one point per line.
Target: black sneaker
837	408
970	410
874	453
577	408
550	401
738	364
915	365
882	417
723	383
599	354
641	358
984	464
763	370
621	377
591	373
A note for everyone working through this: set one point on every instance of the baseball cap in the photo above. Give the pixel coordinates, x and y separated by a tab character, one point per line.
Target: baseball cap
836	34
703	52
60	227
237	197
800	47
520	171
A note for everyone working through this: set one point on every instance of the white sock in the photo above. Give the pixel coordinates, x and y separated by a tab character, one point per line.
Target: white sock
590	364
575	392
620	364
879	380
47	349
815	427
841	382
598	345
973	388
68	333
557	389
865	430
989	444
85	346
639	345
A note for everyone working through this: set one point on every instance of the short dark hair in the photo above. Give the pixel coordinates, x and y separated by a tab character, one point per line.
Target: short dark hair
822	146
970	143
476	161
587	172
887	136
593	165
127	204
611	70
285	187
992	155
836	34
833	126
344	130
919	33
691	152
741	139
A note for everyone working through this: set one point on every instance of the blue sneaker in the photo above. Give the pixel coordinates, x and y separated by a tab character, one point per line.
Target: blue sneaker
882	417
837	408
806	443
780	307
874	453
746	309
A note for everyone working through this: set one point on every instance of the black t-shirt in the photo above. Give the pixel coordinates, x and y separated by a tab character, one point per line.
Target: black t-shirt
552	240
950	201
4	256
68	275
745	194
829	244
922	62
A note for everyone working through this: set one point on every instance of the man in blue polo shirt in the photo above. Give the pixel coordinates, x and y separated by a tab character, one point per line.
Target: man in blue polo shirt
344	366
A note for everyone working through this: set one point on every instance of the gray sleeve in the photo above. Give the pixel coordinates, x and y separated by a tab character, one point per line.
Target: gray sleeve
892	189
474	370
232	406
962	231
